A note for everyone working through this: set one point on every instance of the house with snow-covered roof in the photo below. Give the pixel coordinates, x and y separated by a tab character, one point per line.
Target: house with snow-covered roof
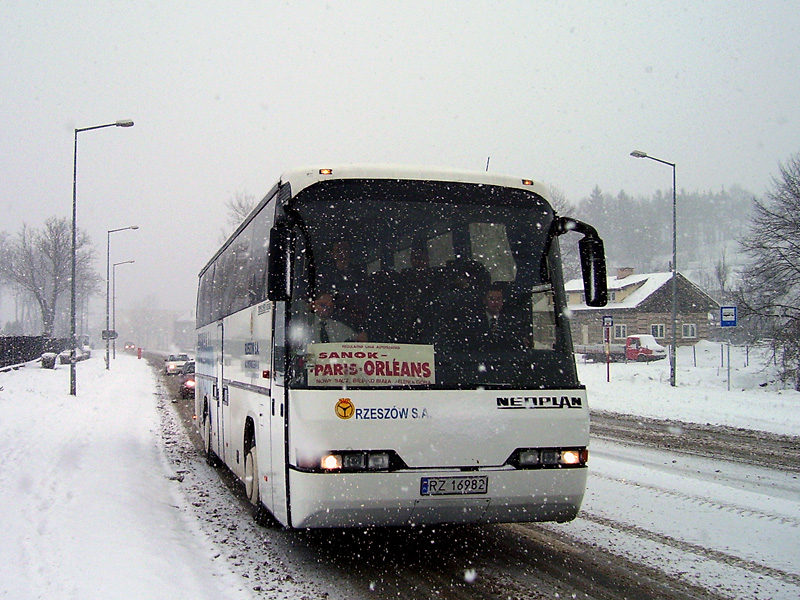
642	303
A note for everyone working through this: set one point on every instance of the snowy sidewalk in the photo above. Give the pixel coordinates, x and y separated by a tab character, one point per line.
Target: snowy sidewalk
87	508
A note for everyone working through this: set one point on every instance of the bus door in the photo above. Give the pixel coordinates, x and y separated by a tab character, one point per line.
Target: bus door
220	396
277	416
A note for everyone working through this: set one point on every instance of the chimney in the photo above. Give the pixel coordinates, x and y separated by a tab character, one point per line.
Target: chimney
623	272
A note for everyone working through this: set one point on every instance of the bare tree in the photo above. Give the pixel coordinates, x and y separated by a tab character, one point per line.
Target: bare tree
237	209
39	262
770	294
722	271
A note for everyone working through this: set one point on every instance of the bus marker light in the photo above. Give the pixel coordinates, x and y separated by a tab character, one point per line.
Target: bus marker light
528	458
354	461
527	182
326	171
378	461
550	457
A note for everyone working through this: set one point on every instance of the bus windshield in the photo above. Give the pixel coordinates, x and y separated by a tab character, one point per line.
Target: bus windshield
427	284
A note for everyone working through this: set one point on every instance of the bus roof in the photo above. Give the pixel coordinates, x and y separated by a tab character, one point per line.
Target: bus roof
301	178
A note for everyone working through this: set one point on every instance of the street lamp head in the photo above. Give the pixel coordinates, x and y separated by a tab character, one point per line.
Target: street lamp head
134	227
124	123
639	154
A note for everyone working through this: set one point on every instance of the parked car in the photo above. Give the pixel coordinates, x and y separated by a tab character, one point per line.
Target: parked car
641	348
174	363
187	380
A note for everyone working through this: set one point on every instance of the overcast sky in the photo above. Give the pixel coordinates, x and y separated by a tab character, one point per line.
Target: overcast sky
227	95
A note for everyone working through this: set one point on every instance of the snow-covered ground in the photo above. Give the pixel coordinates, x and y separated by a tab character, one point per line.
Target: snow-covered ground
89	505
91	508
731	528
701	394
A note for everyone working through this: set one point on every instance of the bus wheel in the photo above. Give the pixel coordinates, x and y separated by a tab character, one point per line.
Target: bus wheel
251	476
260	513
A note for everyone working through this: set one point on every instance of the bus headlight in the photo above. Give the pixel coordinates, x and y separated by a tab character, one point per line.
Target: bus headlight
543	458
570	457
331	462
354	461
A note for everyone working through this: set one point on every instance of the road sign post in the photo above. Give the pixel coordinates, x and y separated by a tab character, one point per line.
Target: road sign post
728	317
608	323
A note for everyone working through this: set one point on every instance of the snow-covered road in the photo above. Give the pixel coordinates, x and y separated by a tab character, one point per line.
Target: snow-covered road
728	527
104	496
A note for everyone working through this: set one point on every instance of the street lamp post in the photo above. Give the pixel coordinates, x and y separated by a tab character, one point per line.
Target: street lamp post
108	267
672	354
73	339
114	300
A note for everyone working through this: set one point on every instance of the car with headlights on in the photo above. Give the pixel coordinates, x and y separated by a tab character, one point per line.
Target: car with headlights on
174	363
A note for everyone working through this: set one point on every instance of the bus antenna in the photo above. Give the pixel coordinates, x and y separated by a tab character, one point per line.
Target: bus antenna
488	158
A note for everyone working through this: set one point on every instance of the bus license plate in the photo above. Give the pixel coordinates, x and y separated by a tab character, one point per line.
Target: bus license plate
450	486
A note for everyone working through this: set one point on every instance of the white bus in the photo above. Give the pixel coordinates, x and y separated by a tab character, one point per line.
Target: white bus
349	369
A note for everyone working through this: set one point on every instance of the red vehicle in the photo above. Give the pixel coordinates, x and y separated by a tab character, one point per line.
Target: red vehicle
639	348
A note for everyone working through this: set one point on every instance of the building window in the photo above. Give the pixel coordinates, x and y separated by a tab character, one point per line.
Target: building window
689	330
620	331
657	331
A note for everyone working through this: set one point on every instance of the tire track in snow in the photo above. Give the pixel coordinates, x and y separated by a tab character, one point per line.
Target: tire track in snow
704	501
708	553
712	441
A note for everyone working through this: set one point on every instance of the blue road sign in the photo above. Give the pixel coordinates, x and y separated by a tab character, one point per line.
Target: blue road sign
727	316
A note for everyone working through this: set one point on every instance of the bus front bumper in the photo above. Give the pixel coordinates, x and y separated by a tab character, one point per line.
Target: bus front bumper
395	499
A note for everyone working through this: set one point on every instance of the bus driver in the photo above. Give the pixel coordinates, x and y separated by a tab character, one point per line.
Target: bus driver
323	328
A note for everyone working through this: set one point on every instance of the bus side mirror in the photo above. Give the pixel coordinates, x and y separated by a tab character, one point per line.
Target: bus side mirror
593	267
278	275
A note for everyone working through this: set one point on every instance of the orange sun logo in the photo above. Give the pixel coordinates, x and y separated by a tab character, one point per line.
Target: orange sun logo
345	408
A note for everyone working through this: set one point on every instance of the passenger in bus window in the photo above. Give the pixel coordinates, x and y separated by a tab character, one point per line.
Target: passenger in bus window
324	328
460	304
338	273
498	328
418	292
347	282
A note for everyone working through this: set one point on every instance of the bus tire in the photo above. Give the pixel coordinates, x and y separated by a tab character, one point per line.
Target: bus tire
251	476
260	513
